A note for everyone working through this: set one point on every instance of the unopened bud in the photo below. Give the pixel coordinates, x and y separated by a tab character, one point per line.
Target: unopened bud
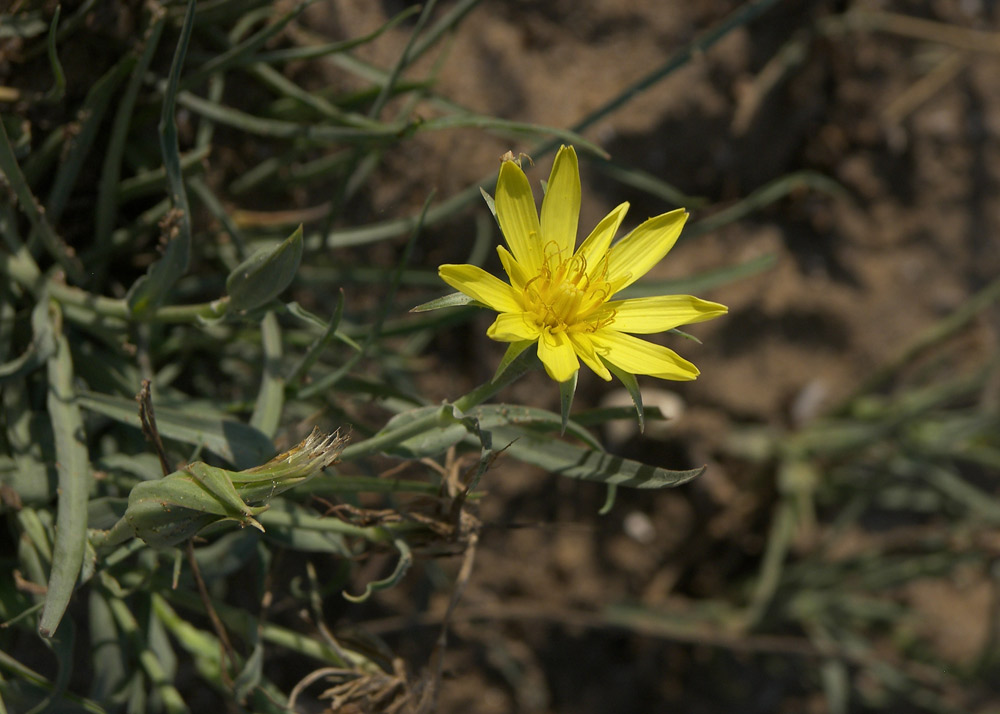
170	510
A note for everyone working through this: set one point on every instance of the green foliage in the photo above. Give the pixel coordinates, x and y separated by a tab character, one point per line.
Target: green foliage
250	336
234	361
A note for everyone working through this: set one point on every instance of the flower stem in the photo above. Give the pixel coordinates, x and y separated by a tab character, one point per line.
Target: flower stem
525	361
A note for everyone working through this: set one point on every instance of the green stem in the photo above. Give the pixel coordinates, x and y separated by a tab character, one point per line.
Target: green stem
25	272
386	439
525	361
116	535
373	534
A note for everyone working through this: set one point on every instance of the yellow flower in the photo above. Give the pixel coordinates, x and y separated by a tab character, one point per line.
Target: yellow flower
561	299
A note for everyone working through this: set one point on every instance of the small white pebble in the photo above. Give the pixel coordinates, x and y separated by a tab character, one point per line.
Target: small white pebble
638	526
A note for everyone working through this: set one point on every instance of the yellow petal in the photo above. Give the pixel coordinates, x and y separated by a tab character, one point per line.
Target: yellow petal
513	327
480	285
561	204
632	257
644	316
595	246
516	273
518	216
640	357
557	355
584	348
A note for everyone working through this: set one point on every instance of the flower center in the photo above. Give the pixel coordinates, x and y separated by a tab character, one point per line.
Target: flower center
564	298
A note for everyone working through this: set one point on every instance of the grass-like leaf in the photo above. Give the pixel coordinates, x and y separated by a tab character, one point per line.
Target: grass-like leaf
565	459
73	467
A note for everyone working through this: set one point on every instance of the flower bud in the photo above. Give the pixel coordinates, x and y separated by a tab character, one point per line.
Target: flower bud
168	511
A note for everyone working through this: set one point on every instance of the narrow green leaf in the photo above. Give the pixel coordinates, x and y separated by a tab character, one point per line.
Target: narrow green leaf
492	416
73	468
440	434
62	647
319	345
446	24
565	459
567	390
236	442
89	119
490	202
203	648
154	181
109	186
172	700
30	471
452	300
151	289
40	224
468	120
609	500
42	347
271	397
22	25
766	195
242	53
703	282
303	539
402	565
265	274
632	385
251	675
281	129
109	656
514	350
651	184
58	76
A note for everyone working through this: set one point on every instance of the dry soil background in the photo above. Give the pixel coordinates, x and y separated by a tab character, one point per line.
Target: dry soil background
908	126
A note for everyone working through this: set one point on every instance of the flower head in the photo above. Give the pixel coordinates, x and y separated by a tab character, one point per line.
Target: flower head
563	299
